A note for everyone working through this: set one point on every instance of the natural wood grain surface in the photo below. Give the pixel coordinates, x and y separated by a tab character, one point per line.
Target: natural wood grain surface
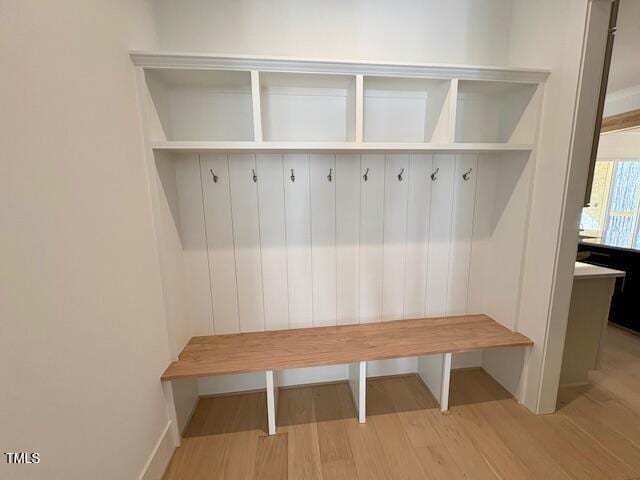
594	435
276	350
621	121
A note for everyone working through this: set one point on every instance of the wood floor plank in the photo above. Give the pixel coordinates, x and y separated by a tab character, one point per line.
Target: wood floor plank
490	407
366	449
271	460
428	427
402	458
296	417
335	449
599	422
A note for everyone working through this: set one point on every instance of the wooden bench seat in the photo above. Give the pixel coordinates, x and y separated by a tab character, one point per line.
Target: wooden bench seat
349	344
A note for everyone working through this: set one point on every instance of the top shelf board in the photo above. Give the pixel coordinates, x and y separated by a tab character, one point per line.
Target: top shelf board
348	67
257	147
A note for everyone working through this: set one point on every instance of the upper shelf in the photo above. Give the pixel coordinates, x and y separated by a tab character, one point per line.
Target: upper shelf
258	103
348	67
174	146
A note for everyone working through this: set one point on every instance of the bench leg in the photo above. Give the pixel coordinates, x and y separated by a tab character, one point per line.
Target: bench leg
358	384
272	401
435	372
446	380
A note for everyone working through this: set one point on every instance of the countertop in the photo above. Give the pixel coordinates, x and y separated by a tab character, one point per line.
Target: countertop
586	270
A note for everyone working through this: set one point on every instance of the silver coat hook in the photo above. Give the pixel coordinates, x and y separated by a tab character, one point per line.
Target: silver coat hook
214	176
467	174
255	177
366	175
293	175
330	176
434	175
400	175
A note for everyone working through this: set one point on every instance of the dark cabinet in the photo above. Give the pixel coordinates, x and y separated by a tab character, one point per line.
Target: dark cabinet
625	304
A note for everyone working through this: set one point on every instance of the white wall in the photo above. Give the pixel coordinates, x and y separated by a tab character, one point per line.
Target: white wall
456	31
624	144
83	338
549	34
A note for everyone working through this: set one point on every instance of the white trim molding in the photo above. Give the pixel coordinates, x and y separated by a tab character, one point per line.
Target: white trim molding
305	65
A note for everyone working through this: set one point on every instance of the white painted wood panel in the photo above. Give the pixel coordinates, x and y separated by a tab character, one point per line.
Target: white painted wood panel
273	240
222	264
483	224
347	181
246	234
439	235
358	385
298	228
193	236
418	213
395	235
466	166
371	236
323	237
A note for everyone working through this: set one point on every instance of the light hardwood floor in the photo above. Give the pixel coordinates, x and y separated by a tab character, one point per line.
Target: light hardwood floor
487	435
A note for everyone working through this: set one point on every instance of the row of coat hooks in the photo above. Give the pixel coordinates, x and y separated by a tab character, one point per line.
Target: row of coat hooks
434	176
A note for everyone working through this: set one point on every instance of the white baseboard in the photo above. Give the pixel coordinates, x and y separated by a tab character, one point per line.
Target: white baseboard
160	456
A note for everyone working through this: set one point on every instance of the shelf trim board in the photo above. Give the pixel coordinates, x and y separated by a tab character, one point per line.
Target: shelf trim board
197	146
348	67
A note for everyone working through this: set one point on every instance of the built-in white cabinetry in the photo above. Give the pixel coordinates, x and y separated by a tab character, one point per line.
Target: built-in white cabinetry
226	103
408	110
307	107
203	105
298	193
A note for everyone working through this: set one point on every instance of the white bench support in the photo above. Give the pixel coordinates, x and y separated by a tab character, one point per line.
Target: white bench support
272	400
435	371
358	384
446	381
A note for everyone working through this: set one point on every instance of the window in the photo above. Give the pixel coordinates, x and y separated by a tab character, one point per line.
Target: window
615	199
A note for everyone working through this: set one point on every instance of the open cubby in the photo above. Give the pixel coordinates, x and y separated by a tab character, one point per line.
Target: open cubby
307	107
499	112
200	105
406	110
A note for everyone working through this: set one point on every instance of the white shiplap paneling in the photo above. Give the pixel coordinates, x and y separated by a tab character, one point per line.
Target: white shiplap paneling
371	236
273	240
439	235
222	264
193	236
418	213
323	238
298	227
395	235
461	233
246	234
347	180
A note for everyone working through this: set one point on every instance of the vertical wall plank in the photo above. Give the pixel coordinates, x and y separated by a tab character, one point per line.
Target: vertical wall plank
246	234
323	238
222	265
347	180
395	235
439	235
461	234
298	227
418	208
371	237
193	236
273	240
